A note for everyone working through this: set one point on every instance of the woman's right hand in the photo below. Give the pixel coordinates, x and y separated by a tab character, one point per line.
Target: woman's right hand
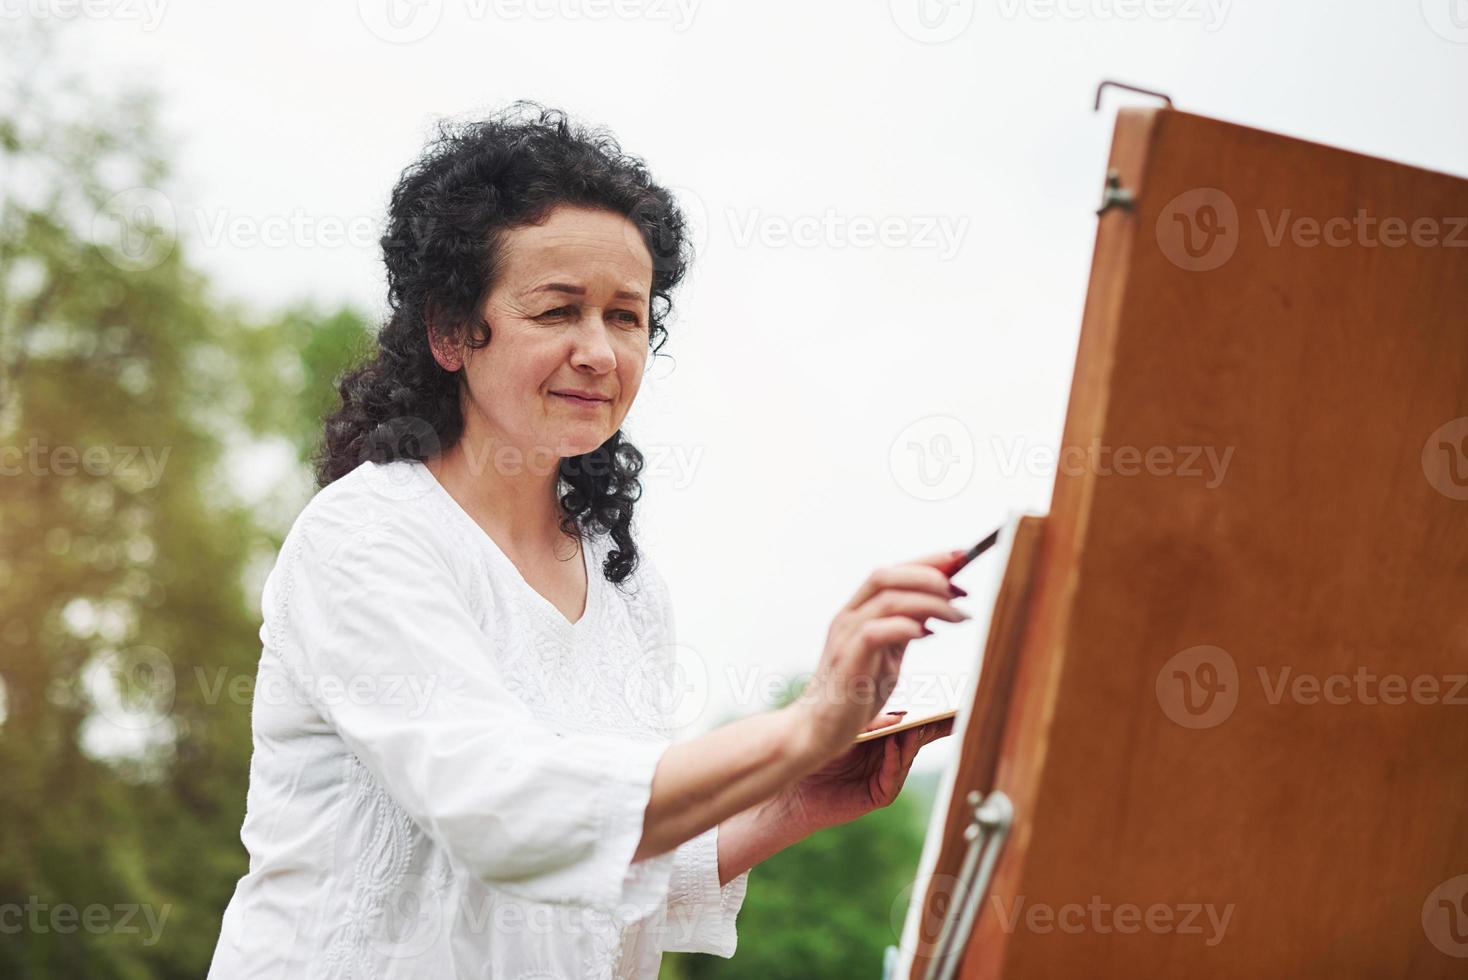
864	646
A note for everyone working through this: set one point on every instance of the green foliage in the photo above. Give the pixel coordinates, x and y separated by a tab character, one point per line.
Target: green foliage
825	907
123	556
303	353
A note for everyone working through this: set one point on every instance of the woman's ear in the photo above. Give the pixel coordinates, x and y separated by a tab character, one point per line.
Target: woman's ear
445	349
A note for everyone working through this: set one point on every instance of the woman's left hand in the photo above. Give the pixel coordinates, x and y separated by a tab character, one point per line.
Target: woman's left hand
867	776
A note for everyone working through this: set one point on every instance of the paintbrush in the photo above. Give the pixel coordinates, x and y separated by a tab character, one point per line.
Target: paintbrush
956	564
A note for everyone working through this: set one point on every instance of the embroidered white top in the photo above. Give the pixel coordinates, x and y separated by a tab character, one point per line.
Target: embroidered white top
449	778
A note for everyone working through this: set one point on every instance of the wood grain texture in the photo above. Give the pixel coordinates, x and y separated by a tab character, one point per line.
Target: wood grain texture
1332	547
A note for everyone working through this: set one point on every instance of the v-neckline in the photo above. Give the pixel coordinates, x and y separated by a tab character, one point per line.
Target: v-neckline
593	589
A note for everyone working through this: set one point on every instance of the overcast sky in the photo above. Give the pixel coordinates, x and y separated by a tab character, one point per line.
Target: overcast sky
896	202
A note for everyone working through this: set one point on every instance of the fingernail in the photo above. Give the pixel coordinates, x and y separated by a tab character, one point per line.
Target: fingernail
955	591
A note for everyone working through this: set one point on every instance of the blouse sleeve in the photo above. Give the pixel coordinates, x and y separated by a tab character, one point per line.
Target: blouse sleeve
378	615
701	912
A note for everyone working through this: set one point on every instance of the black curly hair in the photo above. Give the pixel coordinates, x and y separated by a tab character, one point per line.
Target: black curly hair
447	218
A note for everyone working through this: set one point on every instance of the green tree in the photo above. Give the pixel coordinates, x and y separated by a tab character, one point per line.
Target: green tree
128	567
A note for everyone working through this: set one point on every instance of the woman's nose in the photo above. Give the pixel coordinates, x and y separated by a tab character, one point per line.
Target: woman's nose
593	349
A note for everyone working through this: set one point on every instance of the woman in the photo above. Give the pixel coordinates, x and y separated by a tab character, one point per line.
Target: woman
472	775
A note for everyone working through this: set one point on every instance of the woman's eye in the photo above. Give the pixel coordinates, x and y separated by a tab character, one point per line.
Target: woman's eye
626	317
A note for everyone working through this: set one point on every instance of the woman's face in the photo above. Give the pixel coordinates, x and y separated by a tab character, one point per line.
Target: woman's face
568	316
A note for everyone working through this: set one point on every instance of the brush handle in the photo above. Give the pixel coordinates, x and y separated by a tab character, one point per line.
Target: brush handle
962	558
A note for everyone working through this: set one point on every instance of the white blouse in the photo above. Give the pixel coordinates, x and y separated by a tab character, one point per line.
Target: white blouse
449	778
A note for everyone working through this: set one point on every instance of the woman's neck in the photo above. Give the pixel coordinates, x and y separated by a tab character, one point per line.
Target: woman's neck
513	498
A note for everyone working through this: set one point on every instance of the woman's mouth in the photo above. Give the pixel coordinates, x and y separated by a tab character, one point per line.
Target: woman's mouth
585	400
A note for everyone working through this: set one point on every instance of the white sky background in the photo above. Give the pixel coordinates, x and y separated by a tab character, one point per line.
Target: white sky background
798	364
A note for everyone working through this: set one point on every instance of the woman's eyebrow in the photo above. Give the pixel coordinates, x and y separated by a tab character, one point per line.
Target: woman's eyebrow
561	287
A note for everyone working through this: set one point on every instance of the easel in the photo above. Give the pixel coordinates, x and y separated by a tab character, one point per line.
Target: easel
1171	712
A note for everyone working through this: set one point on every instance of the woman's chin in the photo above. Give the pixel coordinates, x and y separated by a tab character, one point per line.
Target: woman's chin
580	441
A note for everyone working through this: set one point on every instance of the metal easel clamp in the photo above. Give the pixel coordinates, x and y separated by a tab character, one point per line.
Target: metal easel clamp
1108	83
986	833
1115	195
